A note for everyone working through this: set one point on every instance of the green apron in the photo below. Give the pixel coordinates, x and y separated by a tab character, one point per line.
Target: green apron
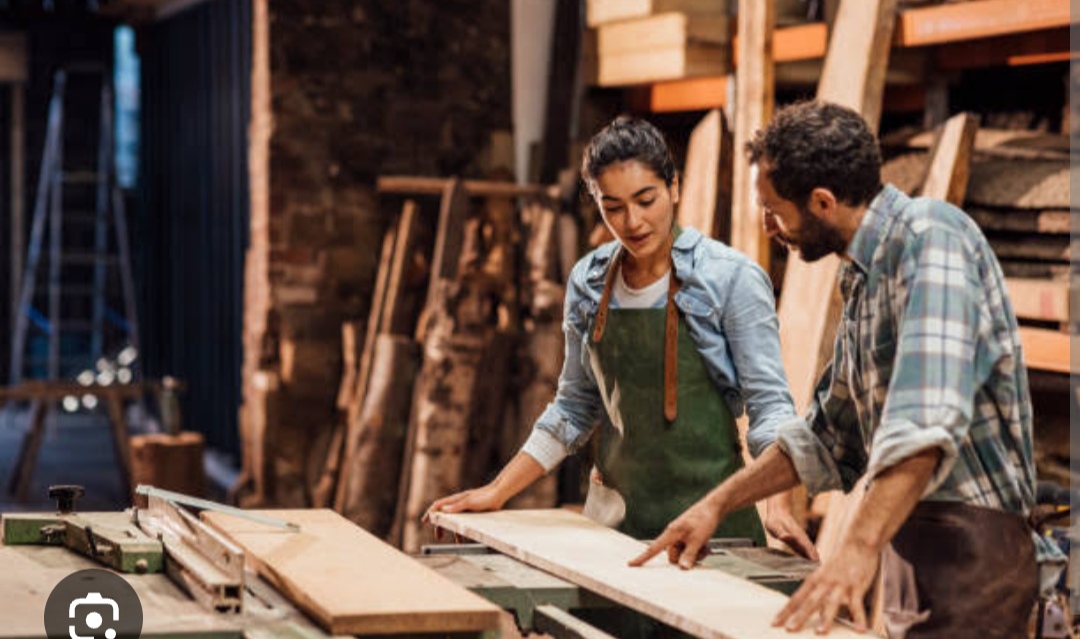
661	467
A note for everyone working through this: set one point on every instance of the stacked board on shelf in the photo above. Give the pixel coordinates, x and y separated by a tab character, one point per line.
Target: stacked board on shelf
1018	194
642	41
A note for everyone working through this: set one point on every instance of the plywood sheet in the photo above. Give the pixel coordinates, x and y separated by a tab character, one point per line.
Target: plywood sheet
351	582
705	603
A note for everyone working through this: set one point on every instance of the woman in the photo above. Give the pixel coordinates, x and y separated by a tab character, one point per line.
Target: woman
669	335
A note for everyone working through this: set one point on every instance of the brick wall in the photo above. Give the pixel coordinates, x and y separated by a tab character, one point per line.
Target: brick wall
358	89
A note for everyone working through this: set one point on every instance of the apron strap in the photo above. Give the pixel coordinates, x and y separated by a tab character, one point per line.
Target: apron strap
671	354
671	332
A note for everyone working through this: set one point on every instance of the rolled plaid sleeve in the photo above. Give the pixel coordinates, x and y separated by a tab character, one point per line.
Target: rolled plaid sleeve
939	360
826	447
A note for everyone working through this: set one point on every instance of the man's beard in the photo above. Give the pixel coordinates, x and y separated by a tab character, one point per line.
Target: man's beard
816	239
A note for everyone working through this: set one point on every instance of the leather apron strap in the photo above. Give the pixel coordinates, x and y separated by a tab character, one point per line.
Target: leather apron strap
671	332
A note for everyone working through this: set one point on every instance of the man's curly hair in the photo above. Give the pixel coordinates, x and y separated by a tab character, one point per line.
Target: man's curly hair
818	144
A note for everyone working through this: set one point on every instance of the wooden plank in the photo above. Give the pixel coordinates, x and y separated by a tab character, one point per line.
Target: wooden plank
1012	50
809	305
790	44
701	177
598	12
705	603
693	94
644	66
662	31
418	185
950	161
978	19
395	317
1056	248
349	581
1048	350
755	94
1021	221
1039	299
448	237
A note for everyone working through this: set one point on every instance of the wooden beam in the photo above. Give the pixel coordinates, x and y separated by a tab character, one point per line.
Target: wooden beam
453	209
349	581
694	94
600	12
394	318
978	19
1040	299
662	31
417	185
755	95
703	602
1048	350
950	160
1004	50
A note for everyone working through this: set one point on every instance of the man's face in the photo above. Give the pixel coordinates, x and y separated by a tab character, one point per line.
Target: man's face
793	226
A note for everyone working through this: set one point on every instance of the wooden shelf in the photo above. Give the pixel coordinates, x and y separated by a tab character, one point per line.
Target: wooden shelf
979	33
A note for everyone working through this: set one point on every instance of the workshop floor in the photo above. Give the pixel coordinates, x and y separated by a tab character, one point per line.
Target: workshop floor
77	449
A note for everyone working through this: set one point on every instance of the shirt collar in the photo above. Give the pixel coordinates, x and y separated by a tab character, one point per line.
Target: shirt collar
874	226
686	239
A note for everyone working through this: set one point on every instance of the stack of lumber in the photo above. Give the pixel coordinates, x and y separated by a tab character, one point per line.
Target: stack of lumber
459	354
641	41
1019	195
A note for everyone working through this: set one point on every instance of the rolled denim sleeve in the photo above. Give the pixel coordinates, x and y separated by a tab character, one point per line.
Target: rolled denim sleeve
570	418
751	328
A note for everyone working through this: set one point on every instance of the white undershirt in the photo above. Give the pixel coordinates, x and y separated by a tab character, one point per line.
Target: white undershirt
650	296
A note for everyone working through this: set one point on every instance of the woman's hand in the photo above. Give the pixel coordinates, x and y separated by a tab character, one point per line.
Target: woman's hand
782	525
483	499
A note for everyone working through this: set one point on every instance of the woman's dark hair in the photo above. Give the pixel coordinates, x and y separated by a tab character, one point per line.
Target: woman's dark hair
627	138
817	144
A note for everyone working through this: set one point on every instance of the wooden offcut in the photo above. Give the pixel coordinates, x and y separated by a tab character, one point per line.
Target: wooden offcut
705	603
349	581
171	462
755	92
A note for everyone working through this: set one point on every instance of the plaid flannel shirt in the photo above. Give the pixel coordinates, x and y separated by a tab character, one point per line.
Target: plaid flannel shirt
927	355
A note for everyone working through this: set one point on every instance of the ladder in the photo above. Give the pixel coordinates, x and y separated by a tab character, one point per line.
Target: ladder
84	245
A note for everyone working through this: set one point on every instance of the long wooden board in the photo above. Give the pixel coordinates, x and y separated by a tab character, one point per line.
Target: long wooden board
1048	350
753	110
705	603
349	581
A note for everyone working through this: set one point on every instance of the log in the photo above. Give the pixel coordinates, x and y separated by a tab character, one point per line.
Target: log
367	492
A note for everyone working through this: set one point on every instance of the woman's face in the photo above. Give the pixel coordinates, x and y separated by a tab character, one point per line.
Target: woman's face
637	206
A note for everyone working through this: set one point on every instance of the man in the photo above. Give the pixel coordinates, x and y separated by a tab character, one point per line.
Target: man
927	396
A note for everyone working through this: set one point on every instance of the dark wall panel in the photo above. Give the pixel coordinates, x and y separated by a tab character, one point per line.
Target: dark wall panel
193	207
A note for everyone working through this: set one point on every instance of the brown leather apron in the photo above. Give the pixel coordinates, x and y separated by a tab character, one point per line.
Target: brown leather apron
955	571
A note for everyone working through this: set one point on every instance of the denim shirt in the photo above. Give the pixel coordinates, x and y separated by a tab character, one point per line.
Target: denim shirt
728	305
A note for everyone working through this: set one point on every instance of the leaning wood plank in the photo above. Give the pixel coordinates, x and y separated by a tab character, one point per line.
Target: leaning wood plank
755	93
394	314
1048	350
705	603
950	161
349	581
854	76
700	188
448	238
378	300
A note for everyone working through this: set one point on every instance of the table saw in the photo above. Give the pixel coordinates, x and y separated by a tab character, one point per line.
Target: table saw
538	601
